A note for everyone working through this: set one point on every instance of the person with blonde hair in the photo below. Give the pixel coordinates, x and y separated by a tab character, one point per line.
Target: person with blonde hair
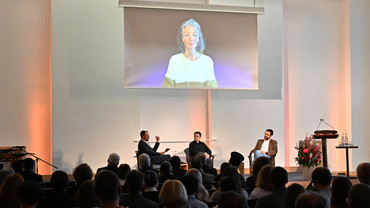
263	184
173	195
201	194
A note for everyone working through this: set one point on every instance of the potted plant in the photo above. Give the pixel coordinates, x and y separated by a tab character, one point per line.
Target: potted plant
309	155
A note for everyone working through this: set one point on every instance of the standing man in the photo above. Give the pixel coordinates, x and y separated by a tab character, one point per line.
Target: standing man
144	147
197	146
266	147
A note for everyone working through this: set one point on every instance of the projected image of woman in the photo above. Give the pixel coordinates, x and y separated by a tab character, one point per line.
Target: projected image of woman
190	68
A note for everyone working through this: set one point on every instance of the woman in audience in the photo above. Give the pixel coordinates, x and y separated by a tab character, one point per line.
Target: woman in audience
223	166
173	195
165	172
250	182
81	173
85	196
151	185
339	192
292	193
263	184
201	194
8	193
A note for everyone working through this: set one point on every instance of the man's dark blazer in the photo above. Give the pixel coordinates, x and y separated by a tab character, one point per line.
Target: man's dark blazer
143	147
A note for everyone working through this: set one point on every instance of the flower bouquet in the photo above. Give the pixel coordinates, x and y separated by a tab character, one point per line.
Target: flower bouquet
309	152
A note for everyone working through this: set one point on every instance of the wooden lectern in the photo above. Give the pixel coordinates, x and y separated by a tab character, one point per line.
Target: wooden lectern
324	135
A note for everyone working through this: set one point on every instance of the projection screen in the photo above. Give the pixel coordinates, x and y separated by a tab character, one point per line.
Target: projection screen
150	42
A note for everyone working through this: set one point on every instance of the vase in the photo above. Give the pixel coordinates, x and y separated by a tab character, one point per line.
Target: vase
306	172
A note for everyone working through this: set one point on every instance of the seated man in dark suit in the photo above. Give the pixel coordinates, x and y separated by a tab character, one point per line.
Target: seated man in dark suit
197	146
143	147
113	161
28	172
266	147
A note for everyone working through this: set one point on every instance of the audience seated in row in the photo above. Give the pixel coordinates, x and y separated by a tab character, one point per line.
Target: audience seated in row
201	194
108	189
151	184
113	161
292	193
85	196
321	179
363	173
258	164
191	185
340	189
263	185
28	171
81	174
173	195
176	170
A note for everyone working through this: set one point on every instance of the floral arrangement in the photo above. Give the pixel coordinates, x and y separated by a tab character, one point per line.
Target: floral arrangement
309	152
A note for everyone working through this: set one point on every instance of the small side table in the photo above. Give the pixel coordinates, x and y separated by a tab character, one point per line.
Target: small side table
347	147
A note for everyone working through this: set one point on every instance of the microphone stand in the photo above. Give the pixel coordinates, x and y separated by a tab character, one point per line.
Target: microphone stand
37	159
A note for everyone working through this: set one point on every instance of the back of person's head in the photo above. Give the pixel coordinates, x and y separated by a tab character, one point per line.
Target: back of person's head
278	177
197	174
292	193
113	159
4	173
144	160
151	178
259	163
359	196
173	194
30	193
191	183
232	199
85	196
175	161
321	175
202	157
232	172
134	181
59	180
28	164
339	191
236	159
196	163
363	173
123	169
9	190
310	200
223	166
165	168
228	184
263	178
82	173
107	186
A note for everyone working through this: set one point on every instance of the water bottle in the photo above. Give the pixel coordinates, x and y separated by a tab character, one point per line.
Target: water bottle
342	140
346	140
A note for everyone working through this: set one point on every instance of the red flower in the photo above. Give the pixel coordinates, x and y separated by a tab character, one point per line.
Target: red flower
305	150
302	158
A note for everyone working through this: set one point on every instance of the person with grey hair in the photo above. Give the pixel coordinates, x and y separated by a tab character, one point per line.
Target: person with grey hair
191	68
144	163
113	161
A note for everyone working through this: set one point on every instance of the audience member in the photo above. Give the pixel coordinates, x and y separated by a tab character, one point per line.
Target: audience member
310	200
113	161
59	197
173	195
165	172
176	163
144	163
359	196
4	173
81	174
123	169
201	194
191	185
205	167
263	185
339	192
278	177
30	194
207	178
107	189
8	193
235	160
134	198
151	184
85	196
223	166
363	173
292	193
232	199
321	179
258	164
28	171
